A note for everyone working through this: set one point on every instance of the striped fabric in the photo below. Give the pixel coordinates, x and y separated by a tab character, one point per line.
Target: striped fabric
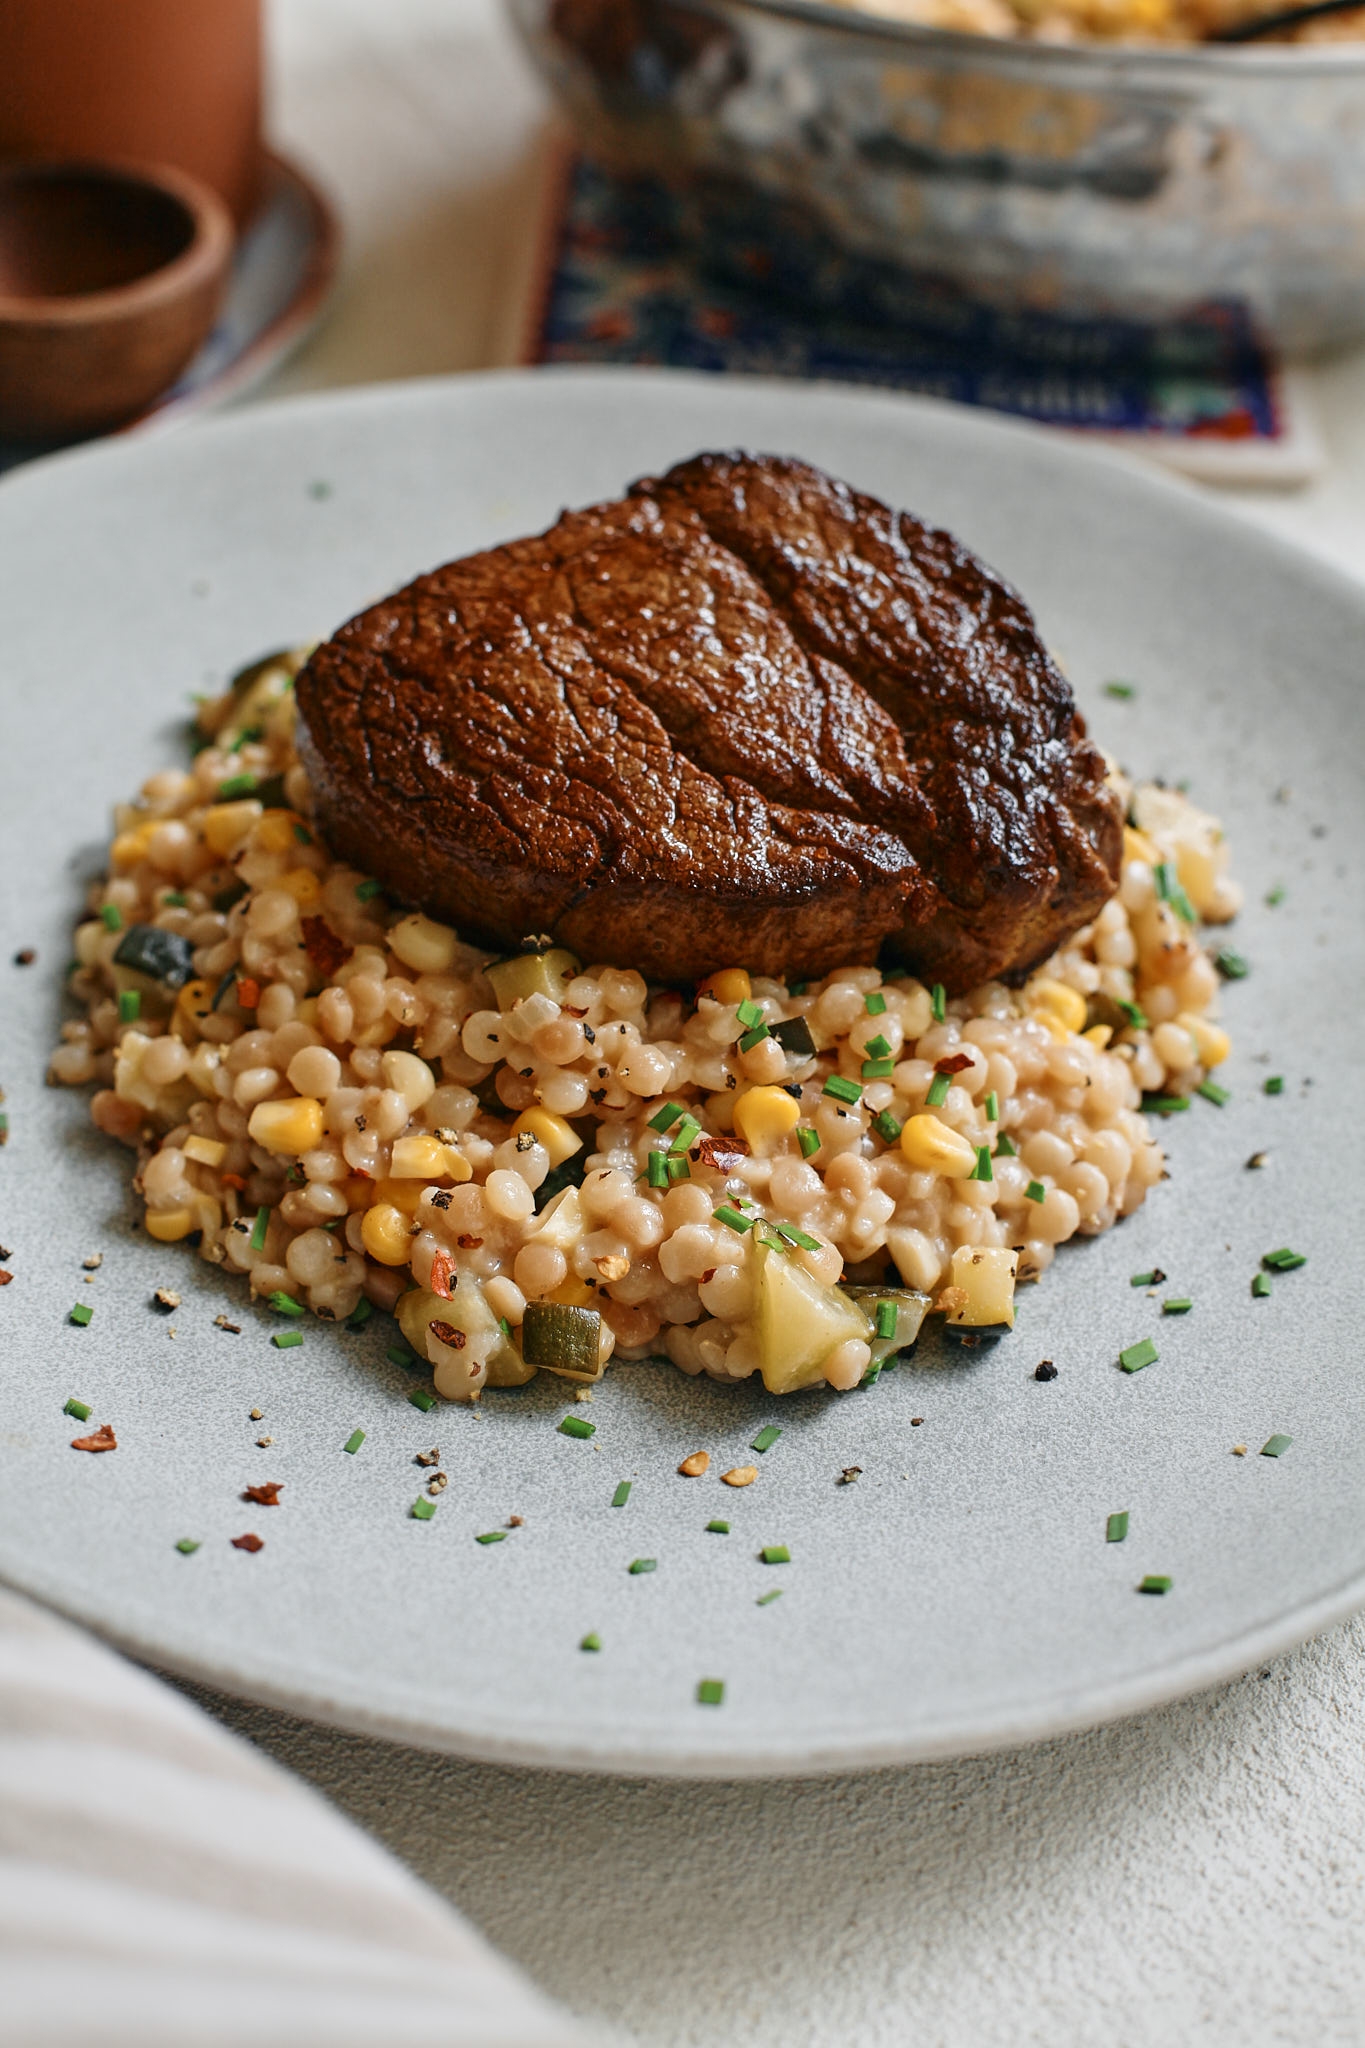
162	1883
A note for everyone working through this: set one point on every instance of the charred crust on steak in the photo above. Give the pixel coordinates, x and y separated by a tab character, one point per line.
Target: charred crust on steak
743	714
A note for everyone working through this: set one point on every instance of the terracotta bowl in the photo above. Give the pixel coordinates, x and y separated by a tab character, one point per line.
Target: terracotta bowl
110	276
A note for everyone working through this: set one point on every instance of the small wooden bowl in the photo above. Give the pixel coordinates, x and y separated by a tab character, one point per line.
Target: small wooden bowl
110	276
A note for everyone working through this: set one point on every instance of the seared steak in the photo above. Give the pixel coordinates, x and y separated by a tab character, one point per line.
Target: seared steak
742	716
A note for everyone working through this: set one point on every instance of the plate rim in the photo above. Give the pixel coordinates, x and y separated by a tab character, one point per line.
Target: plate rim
268	1682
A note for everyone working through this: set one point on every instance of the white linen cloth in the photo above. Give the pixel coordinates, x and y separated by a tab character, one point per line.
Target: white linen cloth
162	1883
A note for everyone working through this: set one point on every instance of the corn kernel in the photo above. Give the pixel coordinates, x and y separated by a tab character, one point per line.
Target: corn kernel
208	1151
559	1138
396	1193
130	847
275	833
1211	1042
764	1114
1099	1034
420	1157
730	985
1055	999
931	1146
422	944
573	1293
194	1001
167	1226
303	885
291	1126
226	825
409	1077
386	1235
1137	846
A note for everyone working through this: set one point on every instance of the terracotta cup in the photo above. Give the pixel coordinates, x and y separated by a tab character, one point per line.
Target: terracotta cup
152	81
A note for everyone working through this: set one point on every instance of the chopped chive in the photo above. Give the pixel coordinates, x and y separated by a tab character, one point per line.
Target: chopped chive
718	1528
285	1304
360	1314
1151	1279
1285	1261
420	1398
423	1509
638	1565
992	1108
877	1048
1260	1287
1176	1305
175	899
1274	1084
577	1425
793	1234
732	1219
711	1692
129	1005
399	1354
1116	1528
353	1442
678	1169
842	1090
622	1494
982	1169
303	835
775	1553
874	1004
187	1546
749	1039
665	1118
111	917
1122	690
1231	964
656	1169
938	1091
1212	1092
1136	1015
289	1340
79	1409
872	1375
248	735
888	1315
939	1001
1164	1105
1137	1355
1275	1446
766	1438
767	1599
808	1140
1155	1582
505	1327
1035	1192
81	1314
748	1014
1005	1147
687	1133
259	1229
367	891
591	1642
492	1536
1169	890
878	1069
235	786
1275	896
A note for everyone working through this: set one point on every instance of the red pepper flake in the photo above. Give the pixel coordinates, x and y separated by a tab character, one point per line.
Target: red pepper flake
248	992
956	1063
723	1154
440	1274
5	1276
266	1495
326	951
234	1180
446	1333
248	1542
102	1439
465	1242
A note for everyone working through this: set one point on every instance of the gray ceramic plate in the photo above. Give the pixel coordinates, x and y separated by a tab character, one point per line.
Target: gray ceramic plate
961	1594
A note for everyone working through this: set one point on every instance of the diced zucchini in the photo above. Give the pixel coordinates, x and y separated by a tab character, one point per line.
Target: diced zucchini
794	1035
533	974
561	1222
800	1322
985	1275
910	1308
486	1344
563	1340
165	957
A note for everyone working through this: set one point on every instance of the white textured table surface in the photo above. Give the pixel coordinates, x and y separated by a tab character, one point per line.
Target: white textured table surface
1195	1877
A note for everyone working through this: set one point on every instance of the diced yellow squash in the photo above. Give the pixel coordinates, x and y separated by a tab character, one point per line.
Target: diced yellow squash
561	1224
985	1276
532	974
800	1322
